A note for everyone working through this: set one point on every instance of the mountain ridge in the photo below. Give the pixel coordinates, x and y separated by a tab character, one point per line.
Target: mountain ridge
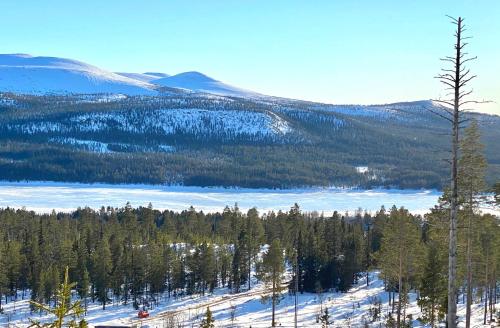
24	73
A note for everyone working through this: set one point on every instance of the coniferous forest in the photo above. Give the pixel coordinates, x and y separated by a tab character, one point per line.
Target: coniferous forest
142	256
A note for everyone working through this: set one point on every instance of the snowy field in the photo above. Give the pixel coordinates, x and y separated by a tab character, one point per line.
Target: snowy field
44	197
349	309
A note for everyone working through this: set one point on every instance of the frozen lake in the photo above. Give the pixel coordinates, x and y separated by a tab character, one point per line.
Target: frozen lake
45	196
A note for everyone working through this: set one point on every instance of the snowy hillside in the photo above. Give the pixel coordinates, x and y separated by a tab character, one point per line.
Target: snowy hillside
144	77
199	82
22	73
352	309
226	124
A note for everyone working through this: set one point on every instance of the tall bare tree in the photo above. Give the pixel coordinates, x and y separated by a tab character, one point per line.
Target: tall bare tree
455	78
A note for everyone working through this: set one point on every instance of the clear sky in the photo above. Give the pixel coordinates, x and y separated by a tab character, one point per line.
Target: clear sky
336	51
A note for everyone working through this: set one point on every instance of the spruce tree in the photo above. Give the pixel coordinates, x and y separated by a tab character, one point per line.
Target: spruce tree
271	273
208	321
433	292
102	269
255	238
65	311
325	319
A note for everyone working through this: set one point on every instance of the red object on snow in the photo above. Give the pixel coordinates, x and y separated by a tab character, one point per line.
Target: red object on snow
143	314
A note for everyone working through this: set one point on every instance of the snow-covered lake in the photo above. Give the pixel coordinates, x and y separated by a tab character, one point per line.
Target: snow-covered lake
45	196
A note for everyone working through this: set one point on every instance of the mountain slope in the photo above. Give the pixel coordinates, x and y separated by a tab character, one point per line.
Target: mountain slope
144	77
199	82
198	139
22	73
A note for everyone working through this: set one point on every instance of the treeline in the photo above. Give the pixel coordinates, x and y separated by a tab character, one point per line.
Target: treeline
142	255
139	255
251	166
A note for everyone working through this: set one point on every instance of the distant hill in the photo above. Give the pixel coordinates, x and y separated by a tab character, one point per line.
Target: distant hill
65	120
22	73
48	75
199	82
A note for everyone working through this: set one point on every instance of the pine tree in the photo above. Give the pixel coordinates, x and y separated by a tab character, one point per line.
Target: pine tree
102	269
13	265
208	273
325	319
66	312
433	296
3	272
240	262
157	269
208	321
255	238
471	174
400	252
271	273
83	290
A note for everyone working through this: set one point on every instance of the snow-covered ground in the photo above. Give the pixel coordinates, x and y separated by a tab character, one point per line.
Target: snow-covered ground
233	123
349	309
44	197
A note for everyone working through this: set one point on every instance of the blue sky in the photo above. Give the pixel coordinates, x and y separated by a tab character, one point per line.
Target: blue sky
333	51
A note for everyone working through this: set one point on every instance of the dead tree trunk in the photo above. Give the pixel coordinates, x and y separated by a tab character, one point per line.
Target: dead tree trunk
452	251
455	79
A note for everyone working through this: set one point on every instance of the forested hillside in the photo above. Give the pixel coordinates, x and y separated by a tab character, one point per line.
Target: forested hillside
207	140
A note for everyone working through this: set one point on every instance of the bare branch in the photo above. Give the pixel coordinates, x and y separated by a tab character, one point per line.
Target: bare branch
452	18
474	102
450	59
467	80
468	59
462	75
444	102
465	94
448	70
447	83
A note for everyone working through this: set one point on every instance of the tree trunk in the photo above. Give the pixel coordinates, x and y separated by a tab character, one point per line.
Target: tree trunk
400	289
469	274
432	315
273	322
249	270
491	298
452	251
486	289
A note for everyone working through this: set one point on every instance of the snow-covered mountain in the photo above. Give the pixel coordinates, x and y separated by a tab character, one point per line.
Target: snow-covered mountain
21	73
198	82
144	77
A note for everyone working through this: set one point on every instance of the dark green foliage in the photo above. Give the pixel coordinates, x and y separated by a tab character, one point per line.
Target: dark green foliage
138	255
433	287
208	321
326	144
325	319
